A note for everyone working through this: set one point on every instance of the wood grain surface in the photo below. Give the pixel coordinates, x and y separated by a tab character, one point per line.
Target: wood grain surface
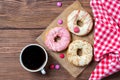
21	22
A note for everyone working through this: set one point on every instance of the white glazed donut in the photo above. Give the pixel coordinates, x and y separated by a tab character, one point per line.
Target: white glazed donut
79	22
86	53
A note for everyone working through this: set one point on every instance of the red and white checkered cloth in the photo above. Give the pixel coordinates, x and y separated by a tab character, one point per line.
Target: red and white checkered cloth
106	37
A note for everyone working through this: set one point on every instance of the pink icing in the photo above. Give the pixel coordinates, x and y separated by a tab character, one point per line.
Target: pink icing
62	43
76	30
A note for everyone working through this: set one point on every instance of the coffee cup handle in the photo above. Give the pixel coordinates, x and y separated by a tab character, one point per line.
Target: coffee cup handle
43	71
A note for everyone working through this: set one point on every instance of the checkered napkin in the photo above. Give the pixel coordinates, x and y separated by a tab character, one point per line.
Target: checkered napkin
106	37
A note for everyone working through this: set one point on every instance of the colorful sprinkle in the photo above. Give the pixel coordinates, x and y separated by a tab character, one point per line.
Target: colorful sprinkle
57	66
76	30
60	21
52	66
59	4
62	55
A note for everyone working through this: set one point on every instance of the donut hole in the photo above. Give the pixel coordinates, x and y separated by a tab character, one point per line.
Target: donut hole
79	52
79	23
57	38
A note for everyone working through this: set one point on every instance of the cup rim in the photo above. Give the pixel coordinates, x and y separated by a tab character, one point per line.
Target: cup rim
41	67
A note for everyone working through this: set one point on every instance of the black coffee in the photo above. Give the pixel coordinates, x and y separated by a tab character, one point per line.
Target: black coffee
33	57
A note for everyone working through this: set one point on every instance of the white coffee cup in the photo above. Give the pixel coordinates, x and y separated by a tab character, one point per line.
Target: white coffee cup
31	58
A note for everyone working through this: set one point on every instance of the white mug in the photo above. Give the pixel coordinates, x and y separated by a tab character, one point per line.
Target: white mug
31	58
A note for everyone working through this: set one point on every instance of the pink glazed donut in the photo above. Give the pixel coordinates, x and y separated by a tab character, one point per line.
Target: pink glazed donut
57	39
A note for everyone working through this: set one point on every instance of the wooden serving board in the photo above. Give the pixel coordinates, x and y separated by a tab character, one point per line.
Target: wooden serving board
73	70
